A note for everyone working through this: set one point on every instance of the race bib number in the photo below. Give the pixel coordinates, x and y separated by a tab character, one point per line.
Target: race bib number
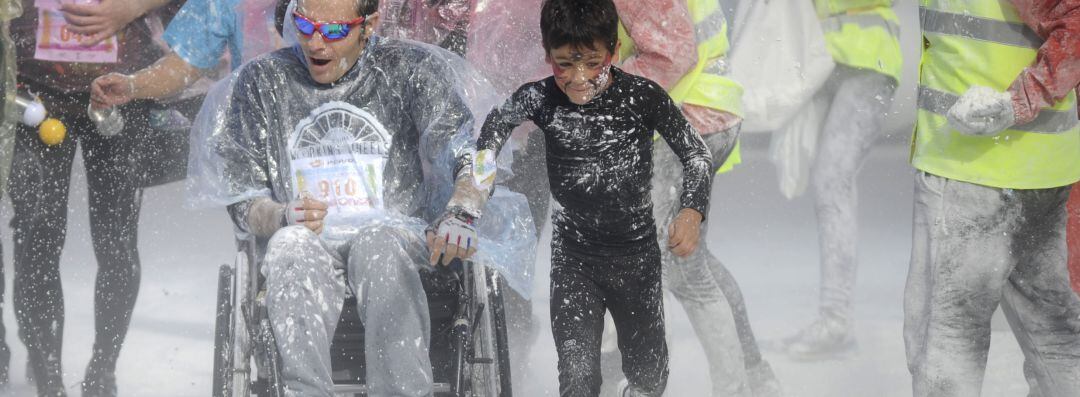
338	155
350	185
58	44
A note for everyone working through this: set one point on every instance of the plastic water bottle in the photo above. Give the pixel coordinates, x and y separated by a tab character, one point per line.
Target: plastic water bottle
108	120
32	111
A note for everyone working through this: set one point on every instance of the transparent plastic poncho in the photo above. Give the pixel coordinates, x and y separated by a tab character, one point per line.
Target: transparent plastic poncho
9	9
502	36
380	145
428	22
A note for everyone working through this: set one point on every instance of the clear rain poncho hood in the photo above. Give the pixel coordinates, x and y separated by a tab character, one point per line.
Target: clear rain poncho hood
385	138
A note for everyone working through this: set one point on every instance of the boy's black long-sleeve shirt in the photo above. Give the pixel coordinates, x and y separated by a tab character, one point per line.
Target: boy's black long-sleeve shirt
599	158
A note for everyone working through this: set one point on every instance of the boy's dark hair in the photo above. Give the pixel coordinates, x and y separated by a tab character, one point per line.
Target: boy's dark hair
579	23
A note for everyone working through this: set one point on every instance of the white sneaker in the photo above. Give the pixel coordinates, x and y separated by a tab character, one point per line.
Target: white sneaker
823	339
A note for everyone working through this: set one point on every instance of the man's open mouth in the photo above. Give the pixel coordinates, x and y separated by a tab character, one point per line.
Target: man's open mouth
318	61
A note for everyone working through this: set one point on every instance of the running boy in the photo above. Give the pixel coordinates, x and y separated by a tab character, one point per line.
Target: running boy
598	123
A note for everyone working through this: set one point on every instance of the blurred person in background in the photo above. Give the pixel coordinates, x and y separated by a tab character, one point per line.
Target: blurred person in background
201	34
682	45
61	47
9	9
863	37
995	147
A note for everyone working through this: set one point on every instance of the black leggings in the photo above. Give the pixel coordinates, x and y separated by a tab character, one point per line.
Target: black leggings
582	288
39	183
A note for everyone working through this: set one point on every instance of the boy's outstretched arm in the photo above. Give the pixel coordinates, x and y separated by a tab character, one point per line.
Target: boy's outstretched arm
454	235
685	230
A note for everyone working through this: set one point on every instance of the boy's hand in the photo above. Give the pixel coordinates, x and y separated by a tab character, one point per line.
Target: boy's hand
684	232
452	236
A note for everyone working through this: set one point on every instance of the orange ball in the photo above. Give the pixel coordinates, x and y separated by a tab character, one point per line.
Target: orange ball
52	132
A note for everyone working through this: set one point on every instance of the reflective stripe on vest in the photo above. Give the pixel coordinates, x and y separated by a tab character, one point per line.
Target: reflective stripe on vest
977	28
1049	121
714	25
984	43
836	23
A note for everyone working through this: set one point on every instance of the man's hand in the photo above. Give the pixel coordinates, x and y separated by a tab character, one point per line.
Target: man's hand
982	111
99	21
112	89
684	232
306	211
452	236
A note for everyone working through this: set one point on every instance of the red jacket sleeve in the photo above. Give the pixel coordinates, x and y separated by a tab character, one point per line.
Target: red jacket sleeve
1056	70
663	34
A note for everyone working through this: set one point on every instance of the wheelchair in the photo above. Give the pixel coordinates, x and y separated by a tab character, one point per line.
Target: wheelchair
469	352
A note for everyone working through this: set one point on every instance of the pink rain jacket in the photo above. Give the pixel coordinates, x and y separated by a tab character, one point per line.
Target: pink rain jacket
1056	70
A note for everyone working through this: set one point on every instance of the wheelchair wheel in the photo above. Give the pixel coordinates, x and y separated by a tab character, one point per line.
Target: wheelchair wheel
232	343
223	352
489	372
496	286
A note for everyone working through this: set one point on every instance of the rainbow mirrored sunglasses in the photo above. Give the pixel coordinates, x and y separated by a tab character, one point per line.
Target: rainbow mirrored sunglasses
330	31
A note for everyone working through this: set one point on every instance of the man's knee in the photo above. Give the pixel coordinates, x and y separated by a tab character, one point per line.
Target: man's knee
286	253
963	317
383	235
385	252
291	237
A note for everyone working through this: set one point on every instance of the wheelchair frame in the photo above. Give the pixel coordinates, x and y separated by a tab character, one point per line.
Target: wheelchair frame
246	360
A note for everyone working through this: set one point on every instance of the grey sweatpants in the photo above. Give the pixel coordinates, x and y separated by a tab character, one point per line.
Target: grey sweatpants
707	291
975	247
859	101
307	279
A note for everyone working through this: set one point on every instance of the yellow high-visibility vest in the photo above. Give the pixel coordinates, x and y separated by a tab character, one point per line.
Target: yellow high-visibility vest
984	42
705	84
864	34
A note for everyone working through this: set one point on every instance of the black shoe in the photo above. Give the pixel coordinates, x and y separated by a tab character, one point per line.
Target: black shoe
99	385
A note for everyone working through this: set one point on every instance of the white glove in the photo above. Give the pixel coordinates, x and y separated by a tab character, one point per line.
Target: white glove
982	111
452	236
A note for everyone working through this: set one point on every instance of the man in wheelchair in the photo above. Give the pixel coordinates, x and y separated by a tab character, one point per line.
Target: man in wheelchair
341	153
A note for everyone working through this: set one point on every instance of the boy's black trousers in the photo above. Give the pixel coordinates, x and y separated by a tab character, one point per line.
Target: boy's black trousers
582	288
